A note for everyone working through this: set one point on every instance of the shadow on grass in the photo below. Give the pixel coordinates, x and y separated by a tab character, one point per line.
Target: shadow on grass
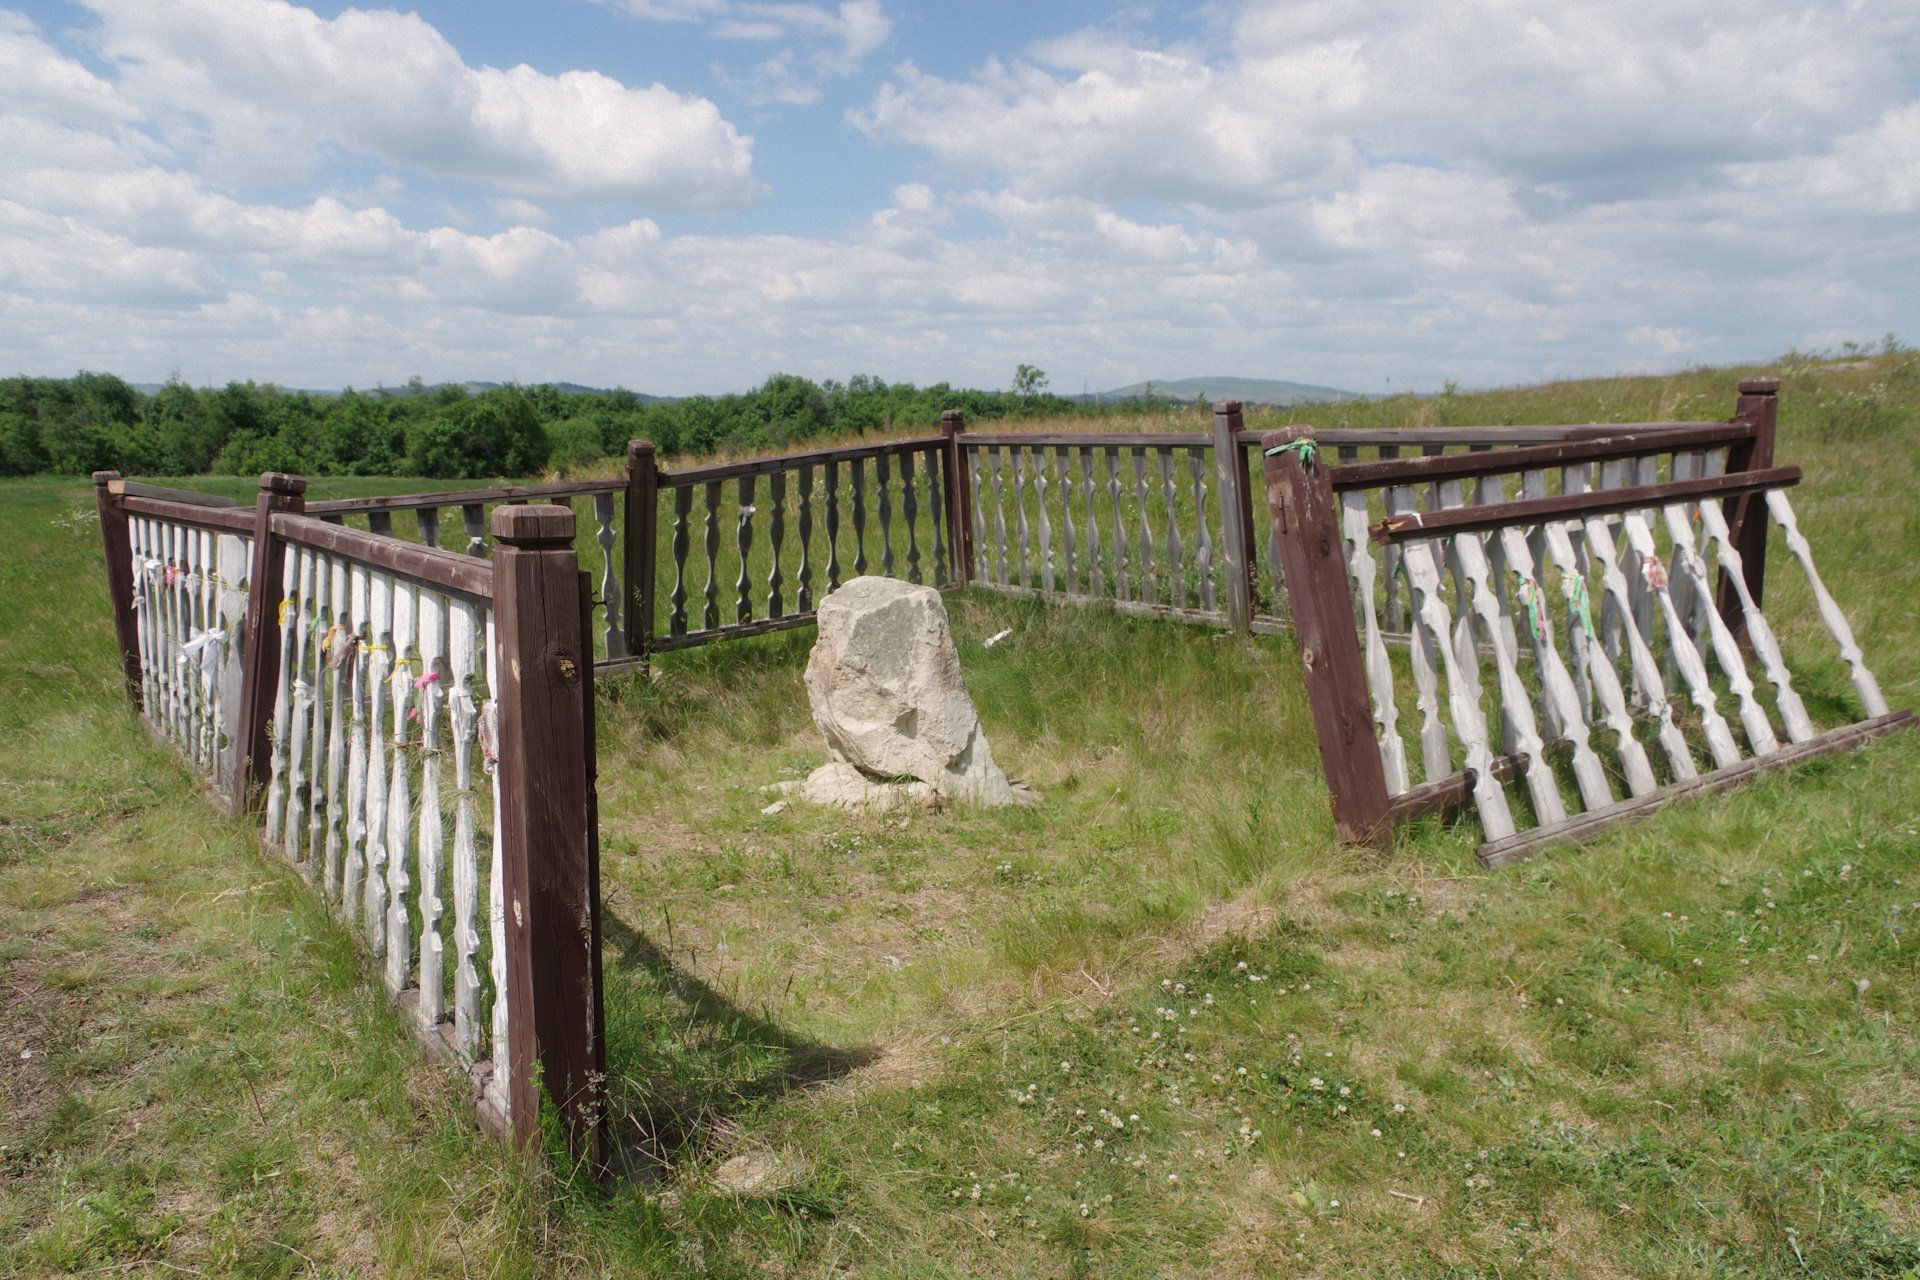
686	1062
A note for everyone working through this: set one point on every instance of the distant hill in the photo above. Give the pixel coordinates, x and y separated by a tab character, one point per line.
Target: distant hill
1246	390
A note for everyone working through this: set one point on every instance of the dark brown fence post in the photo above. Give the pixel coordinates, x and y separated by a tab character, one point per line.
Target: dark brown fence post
119	549
1746	515
548	848
260	659
1312	558
1236	514
959	494
642	523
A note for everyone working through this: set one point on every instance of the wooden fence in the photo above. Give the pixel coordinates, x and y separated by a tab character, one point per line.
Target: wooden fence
1614	587
352	681
1160	525
351	678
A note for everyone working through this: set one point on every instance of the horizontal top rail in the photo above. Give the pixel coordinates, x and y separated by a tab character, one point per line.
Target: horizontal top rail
1479	435
466	497
1150	439
788	461
185	497
1453	466
1574	506
231	519
430	566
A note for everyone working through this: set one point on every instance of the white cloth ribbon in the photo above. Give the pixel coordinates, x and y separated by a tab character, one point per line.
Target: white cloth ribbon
205	645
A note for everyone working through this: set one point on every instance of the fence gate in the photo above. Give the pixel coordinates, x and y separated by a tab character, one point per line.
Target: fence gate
1564	659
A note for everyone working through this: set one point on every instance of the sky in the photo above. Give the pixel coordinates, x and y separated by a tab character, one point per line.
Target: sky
688	196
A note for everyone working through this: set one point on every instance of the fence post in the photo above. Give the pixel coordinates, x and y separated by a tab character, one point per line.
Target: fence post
119	549
548	847
959	494
1746	515
1236	514
642	522
1313	560
260	659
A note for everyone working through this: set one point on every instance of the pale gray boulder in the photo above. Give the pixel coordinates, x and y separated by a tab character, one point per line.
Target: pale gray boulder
884	682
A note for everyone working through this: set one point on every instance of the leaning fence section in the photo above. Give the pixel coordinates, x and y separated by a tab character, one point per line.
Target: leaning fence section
1574	655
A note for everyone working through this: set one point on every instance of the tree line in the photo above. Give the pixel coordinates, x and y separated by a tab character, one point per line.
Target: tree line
98	422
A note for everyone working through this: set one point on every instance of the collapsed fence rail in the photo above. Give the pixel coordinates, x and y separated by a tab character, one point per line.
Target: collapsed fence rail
417	725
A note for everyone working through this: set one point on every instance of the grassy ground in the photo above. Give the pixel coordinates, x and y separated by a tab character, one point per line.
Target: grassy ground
1159	1025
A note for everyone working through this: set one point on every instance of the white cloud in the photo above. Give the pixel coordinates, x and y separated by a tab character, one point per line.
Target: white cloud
264	90
1469	192
821	42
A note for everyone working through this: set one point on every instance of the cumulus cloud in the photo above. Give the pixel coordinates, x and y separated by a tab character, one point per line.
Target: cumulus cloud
818	42
264	90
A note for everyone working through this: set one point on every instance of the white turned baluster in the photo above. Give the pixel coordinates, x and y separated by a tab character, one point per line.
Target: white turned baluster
1516	702
1646	667
171	630
280	780
1203	536
1145	562
1863	682
1435	752
1793	712
603	509
1488	490
399	947
1533	485
340	645
236	574
1463	689
463	636
316	668
1095	573
1020	512
1169	492
1360	573
980	573
373	906
1679	643
1556	685
1063	461
999	515
300	792
201	543
497	897
353	865
1042	463
431	841
1692	570
1593	660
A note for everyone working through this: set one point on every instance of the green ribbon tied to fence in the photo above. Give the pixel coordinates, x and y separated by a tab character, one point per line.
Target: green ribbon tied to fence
1576	588
1305	447
1530	598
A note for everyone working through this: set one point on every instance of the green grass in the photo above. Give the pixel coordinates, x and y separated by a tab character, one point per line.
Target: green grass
1108	1036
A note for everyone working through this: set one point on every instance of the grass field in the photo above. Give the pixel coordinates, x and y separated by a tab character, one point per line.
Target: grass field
1158	1025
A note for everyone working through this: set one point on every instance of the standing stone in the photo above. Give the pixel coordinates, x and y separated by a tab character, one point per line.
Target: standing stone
884	681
